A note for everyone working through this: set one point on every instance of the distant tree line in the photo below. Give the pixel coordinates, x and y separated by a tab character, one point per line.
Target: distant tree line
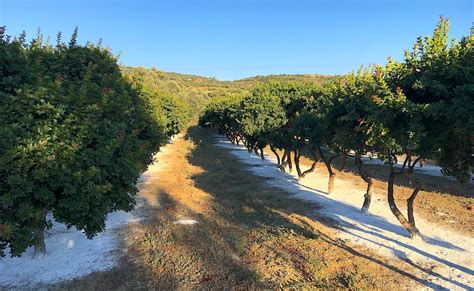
190	89
403	112
74	137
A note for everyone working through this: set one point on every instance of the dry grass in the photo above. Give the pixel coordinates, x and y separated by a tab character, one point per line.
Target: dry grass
249	236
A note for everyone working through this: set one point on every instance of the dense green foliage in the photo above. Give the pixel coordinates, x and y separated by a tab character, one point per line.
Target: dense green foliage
249	83
174	112
177	114
417	109
74	138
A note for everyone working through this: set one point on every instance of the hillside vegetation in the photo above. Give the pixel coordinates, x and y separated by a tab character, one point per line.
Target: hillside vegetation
197	91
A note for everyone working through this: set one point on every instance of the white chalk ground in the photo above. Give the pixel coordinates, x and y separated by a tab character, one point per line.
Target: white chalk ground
444	260
70	253
186	221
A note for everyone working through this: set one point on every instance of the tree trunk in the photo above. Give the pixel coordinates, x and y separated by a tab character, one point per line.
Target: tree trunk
297	162
313	167
366	177
288	159
332	178
393	207
262	156
410	201
276	155
283	158
332	175
284	161
38	234
302	174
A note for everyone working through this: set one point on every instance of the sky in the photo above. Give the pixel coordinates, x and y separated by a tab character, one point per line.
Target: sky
233	39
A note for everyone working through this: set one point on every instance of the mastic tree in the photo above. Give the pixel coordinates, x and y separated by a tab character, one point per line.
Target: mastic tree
295	98
439	74
175	112
341	124
432	119
259	115
317	127
74	138
399	132
221	113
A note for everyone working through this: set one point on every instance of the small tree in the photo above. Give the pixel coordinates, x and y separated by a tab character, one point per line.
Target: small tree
428	115
259	115
349	110
176	113
221	113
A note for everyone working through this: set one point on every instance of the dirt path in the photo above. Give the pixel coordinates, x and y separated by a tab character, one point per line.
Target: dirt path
209	223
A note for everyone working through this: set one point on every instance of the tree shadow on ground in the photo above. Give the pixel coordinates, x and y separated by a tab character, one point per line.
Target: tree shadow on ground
207	182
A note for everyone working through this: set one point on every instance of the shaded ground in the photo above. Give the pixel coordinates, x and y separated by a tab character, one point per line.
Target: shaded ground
248	234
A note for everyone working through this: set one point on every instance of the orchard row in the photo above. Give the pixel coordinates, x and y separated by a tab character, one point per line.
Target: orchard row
403	113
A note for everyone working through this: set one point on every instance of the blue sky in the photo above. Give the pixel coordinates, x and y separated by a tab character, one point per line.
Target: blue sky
232	39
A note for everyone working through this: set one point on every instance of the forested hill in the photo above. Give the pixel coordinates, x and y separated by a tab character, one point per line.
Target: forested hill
197	90
314	78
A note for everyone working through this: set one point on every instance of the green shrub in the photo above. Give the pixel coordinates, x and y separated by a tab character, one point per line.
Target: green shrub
74	138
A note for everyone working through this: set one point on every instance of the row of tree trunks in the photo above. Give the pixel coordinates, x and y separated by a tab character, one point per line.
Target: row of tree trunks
272	148
285	160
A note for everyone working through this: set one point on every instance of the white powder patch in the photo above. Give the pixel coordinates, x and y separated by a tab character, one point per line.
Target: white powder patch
186	221
69	255
445	258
